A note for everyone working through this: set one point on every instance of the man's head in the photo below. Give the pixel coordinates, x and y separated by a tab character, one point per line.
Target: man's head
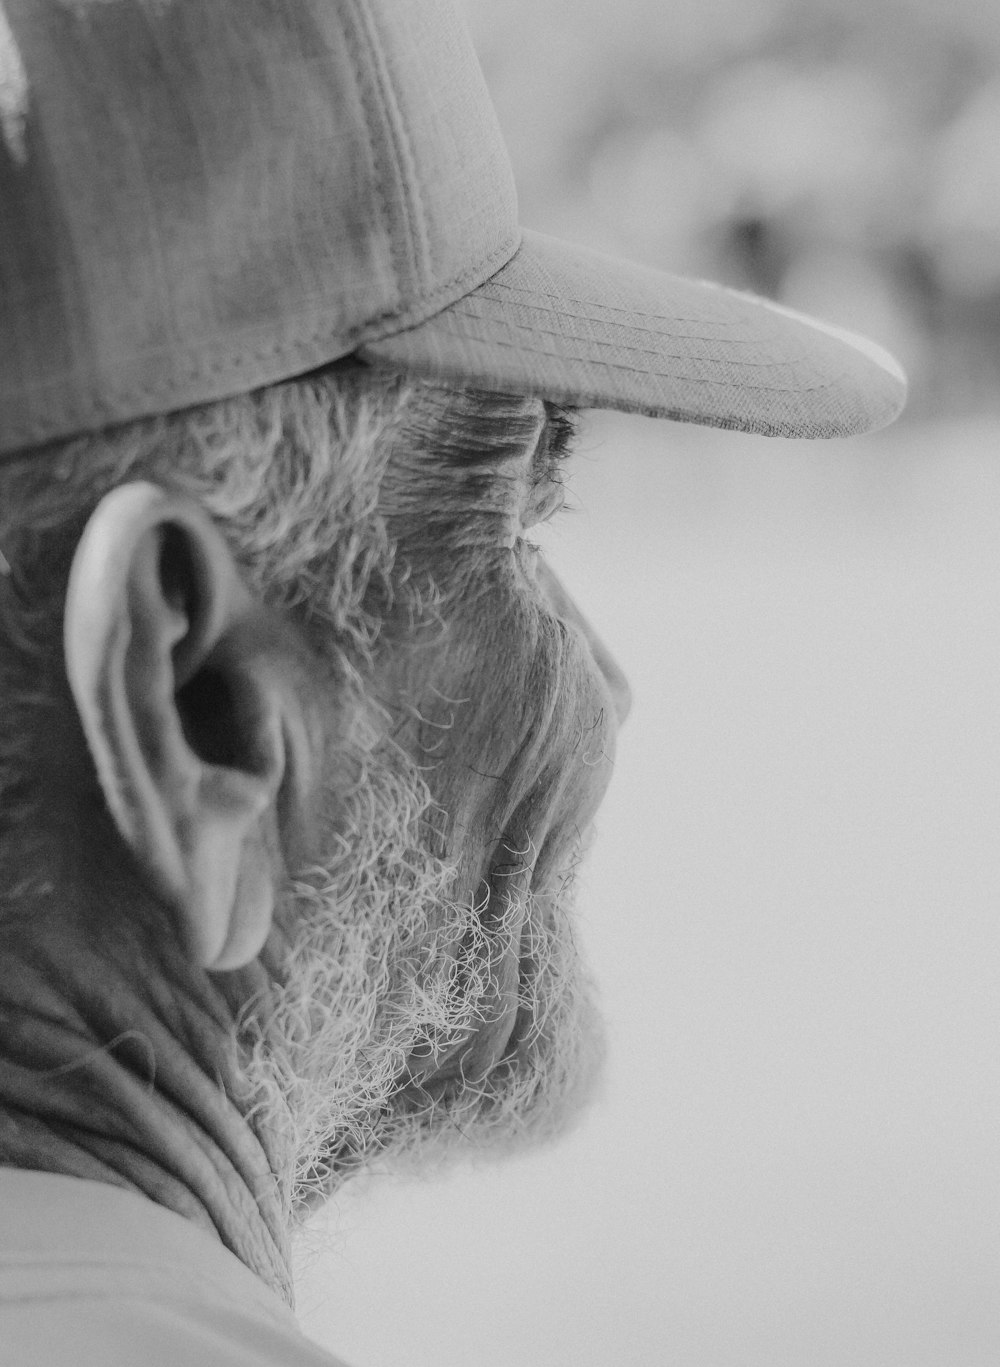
300	741
336	711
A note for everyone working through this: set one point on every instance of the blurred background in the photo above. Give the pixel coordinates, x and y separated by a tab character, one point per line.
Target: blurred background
792	906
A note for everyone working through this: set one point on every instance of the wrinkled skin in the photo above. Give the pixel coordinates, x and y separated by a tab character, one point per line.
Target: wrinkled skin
503	709
511	706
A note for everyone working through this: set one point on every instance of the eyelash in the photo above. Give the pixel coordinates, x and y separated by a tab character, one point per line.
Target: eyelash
562	428
554	449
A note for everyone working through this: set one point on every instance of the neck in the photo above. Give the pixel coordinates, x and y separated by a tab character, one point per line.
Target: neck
131	1083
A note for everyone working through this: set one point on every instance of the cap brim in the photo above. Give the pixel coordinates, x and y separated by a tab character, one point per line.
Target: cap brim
578	327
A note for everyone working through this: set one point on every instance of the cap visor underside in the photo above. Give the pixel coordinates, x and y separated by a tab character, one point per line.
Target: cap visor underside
578	327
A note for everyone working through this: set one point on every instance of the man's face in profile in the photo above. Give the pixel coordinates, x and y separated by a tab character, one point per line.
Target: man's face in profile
431	991
413	983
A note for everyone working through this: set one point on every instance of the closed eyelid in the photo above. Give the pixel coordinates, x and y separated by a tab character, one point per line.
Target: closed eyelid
547	495
547	498
559	433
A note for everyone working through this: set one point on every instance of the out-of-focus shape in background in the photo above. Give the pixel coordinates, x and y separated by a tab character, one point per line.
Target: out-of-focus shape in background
793	906
842	157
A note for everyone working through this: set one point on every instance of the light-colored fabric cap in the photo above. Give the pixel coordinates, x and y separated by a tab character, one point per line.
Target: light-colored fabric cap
579	327
200	197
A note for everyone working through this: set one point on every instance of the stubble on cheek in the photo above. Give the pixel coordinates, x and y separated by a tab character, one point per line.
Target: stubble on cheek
412	1020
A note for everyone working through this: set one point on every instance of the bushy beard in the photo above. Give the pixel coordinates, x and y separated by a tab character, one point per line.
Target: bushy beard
383	976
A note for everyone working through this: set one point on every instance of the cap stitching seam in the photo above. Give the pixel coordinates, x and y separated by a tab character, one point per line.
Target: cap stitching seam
399	142
351	23
623	346
109	410
761	306
456	313
614	365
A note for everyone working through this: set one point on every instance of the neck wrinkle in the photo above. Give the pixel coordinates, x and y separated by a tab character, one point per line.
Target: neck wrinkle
105	1090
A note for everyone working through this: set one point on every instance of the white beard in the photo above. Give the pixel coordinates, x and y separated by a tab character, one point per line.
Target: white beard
383	977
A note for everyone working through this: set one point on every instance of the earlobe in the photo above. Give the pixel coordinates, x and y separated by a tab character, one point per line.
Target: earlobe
188	713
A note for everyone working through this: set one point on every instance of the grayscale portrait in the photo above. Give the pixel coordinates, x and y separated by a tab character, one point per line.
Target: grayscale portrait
497	748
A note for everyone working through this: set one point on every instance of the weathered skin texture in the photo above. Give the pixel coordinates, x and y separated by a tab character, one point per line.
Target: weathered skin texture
501	705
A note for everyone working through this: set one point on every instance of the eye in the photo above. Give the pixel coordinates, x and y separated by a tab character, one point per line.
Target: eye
547	498
548	492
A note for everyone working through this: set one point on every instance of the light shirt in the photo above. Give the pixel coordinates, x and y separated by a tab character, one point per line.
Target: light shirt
92	1275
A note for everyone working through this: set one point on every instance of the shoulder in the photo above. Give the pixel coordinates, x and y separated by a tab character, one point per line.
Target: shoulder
120	1332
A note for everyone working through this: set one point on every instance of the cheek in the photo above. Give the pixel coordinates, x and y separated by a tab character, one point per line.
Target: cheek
510	720
531	752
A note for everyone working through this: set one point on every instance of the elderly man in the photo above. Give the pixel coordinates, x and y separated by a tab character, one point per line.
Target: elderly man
300	739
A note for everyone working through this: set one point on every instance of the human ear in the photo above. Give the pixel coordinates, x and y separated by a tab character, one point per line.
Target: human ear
199	711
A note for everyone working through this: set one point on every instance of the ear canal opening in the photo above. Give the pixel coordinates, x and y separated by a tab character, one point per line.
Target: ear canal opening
207	708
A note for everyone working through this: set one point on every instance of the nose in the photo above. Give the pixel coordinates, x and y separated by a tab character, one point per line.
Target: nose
618	686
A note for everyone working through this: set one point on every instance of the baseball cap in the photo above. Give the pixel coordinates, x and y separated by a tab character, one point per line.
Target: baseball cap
202	197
